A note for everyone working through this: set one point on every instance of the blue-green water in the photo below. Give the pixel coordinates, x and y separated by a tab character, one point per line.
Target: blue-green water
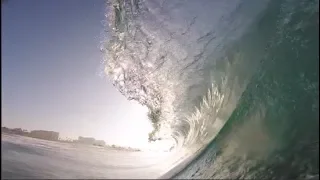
240	78
273	133
231	85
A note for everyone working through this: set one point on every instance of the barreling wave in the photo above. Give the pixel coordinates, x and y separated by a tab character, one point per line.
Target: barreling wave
237	79
273	133
171	63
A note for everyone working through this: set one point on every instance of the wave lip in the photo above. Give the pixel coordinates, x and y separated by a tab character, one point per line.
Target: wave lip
163	61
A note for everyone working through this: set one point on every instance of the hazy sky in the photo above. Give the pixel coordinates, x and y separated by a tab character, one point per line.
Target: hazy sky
51	73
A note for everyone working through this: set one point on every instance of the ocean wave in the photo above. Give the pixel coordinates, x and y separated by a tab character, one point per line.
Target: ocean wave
178	66
240	82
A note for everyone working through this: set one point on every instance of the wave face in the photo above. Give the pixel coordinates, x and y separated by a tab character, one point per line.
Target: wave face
237	77
172	56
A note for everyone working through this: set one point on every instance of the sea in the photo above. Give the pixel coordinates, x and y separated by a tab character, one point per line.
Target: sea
30	158
234	84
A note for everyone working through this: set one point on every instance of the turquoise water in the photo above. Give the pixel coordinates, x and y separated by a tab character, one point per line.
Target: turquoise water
233	84
273	133
240	78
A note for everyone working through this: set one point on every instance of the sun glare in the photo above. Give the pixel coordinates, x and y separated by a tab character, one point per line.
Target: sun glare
135	128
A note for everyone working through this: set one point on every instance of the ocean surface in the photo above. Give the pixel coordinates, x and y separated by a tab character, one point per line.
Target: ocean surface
233	84
29	158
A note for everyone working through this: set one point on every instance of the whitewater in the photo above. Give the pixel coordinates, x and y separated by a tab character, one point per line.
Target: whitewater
232	88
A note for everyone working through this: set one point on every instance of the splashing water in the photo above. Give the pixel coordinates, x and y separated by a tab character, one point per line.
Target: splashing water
238	79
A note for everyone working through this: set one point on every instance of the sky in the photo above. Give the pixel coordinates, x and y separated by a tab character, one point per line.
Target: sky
52	76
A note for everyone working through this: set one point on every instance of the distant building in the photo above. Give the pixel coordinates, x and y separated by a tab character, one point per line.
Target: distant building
86	140
47	135
5	129
90	141
99	143
16	131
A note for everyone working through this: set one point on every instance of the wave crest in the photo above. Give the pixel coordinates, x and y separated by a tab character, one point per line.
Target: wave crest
150	59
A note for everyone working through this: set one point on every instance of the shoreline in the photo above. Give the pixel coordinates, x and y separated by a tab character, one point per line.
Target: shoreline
72	143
